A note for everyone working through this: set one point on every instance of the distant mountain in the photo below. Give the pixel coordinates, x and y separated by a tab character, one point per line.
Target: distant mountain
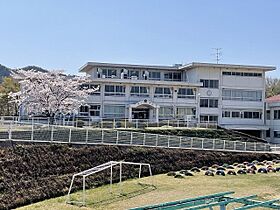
6	72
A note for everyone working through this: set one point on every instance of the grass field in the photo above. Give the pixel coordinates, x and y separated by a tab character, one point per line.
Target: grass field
168	188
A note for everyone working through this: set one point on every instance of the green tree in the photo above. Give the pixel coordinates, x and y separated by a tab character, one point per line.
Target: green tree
272	86
6	87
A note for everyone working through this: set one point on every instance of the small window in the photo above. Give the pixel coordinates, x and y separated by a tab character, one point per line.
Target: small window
226	113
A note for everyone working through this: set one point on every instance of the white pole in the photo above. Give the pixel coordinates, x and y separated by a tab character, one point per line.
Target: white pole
86	136
111	178
52	133
84	190
117	138
140	168
131	137
70	131
32	130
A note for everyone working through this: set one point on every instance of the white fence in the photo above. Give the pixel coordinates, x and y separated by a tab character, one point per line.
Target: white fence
59	134
110	123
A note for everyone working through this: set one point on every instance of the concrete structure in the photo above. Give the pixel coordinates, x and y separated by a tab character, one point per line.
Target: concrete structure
231	95
273	119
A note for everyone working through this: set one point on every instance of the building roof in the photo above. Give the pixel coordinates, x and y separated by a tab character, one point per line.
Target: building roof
89	65
231	66
273	99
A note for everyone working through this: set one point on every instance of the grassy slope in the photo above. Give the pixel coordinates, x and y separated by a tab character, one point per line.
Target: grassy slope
33	173
266	186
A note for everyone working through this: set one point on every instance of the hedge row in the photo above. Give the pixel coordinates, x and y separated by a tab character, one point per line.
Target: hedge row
202	133
32	173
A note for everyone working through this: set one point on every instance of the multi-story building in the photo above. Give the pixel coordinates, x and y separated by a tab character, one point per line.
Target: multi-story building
231	95
273	119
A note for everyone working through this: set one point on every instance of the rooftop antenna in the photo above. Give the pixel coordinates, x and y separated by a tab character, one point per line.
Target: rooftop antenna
218	54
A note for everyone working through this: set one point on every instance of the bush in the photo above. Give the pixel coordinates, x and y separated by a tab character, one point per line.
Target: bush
80	123
179	176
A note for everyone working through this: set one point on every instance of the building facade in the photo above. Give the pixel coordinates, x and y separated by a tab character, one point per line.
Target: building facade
273	119
231	95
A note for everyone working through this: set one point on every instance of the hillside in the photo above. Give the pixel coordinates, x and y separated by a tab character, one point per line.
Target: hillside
6	72
37	172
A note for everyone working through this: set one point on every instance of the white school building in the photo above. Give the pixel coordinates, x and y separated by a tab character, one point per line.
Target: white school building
233	96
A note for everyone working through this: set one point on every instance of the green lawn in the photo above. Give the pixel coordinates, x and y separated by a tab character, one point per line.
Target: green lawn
266	186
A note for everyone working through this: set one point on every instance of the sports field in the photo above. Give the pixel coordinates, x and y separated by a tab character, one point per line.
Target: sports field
168	188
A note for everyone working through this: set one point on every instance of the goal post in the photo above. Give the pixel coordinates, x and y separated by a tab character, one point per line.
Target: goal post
109	165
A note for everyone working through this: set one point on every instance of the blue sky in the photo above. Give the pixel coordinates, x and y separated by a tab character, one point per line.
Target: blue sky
65	34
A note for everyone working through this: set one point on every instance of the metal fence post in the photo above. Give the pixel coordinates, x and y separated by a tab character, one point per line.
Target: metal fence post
70	132
144	139
156	140
131	137
214	143
245	147
102	136
86	135
32	130
224	146
10	131
117	137
168	141
52	133
234	145
255	146
180	143
202	144
125	123
191	142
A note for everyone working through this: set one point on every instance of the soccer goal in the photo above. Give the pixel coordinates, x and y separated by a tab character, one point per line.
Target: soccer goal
109	165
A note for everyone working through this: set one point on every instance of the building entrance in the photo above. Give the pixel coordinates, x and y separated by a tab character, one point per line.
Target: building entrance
140	113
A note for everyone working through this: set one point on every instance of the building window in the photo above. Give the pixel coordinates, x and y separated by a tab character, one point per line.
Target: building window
267	133
173	76
139	91
114	111
154	75
276	114
166	112
161	92
94	110
185	112
109	73
209	103
243	114
208	118
242	74
83	111
114	90
235	114
208	83
186	93
241	95
277	134
226	114
133	73
267	114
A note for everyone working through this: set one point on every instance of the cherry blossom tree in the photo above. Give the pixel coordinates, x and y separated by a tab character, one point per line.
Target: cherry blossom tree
51	93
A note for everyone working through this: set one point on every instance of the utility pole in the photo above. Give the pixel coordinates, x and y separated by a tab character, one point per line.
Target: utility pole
218	54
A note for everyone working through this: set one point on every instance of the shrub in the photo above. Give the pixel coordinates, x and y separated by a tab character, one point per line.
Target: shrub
80	123
179	176
171	173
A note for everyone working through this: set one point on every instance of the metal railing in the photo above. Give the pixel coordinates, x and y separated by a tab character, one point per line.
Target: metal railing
15	131
111	123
